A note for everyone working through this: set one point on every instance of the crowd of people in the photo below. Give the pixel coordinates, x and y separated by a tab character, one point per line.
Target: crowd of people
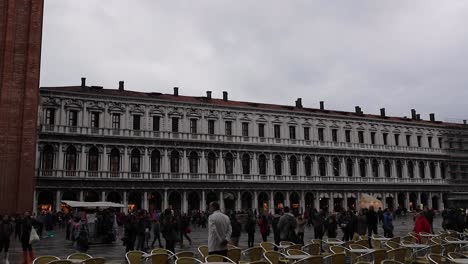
143	230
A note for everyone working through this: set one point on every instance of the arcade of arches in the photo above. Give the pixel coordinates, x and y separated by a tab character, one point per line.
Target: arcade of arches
266	201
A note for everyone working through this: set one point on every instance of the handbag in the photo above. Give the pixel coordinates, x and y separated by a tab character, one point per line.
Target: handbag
33	237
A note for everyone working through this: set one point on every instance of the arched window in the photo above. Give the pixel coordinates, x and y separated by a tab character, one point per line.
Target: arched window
362	167
293	165
115	162
387	169
442	170
155	161
349	167
246	164
308	166
175	159
399	169
422	173
135	160
229	163
48	158
262	165
278	165
322	166
93	159
432	169
336	167
375	168
70	159
193	162
410	169
211	162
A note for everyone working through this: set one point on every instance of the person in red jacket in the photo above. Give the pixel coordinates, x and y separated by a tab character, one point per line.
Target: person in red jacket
264	227
421	225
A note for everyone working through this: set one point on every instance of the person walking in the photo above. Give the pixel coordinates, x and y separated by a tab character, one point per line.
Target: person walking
185	230
236	230
169	230
274	225
361	223
156	231
332	226
26	228
264	227
318	222
387	223
421	225
287	226
372	222
250	229
130	233
219	231
300	225
6	229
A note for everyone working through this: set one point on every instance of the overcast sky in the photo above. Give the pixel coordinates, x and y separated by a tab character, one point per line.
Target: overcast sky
393	54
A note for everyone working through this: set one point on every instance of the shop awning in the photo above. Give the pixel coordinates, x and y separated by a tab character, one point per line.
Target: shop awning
92	204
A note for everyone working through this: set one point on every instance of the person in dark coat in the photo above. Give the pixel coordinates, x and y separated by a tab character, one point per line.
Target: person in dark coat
250	229
236	231
372	222
318	222
274	225
332	226
26	227
287	226
169	230
130	233
6	230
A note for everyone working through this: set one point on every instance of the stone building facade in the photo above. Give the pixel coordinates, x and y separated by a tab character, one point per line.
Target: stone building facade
153	151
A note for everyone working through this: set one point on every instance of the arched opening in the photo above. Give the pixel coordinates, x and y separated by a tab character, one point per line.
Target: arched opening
387	169
114	197
47	160
432	170
193	162
175	160
410	169
155	162
349	167
45	201
424	199
211	163
246	201
399	169
309	200
278	165
229	202
91	196
175	201
135	162
336	167
262	202
134	201
323	203
351	201
413	202
262	165
401	201
322	166
337	204
295	205
362	168
69	196
308	166
293	165
375	168
422	174
246	164
114	162
211	197
93	161
155	202
278	198
435	202
229	163
389	202
193	201
70	161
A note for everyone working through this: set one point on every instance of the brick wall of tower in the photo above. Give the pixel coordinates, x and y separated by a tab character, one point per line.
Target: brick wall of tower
20	54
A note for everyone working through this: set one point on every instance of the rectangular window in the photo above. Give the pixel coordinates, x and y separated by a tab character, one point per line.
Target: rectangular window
440	142
50	116
348	136
136	122
306	133
419	141
334	135
372	137
429	141
211	127
175	124
292	132
245	129
73	118
193	126
228	126
156	123
385	138
397	139
361	137
116	121
408	140
261	130
95	119
277	131
320	134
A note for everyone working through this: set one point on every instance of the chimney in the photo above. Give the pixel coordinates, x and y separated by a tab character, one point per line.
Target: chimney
299	103
382	112
358	110
418	117
225	96
432	117
208	94
121	85
176	91
83	82
322	105
413	114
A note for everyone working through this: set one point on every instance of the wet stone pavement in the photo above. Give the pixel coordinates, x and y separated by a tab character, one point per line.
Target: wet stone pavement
115	253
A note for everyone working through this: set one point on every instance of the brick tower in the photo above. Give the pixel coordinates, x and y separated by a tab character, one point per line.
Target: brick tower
20	55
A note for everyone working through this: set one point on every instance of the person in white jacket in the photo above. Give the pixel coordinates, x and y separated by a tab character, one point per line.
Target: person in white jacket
219	231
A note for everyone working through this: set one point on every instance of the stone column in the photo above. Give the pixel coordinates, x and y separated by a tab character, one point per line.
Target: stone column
393	173
356	167
221	201
315	170
330	203
343	166
437	170
165	163
165	201
58	201
184	201
287	200
35	205
103	196
272	201
103	160
427	170
60	156
254	165
369	168
255	202
145	201
381	169
302	204
384	201
429	201
329	166
418	200
203	201
405	169
81	196
345	201
441	202
416	170
317	200
125	160
238	202
125	202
